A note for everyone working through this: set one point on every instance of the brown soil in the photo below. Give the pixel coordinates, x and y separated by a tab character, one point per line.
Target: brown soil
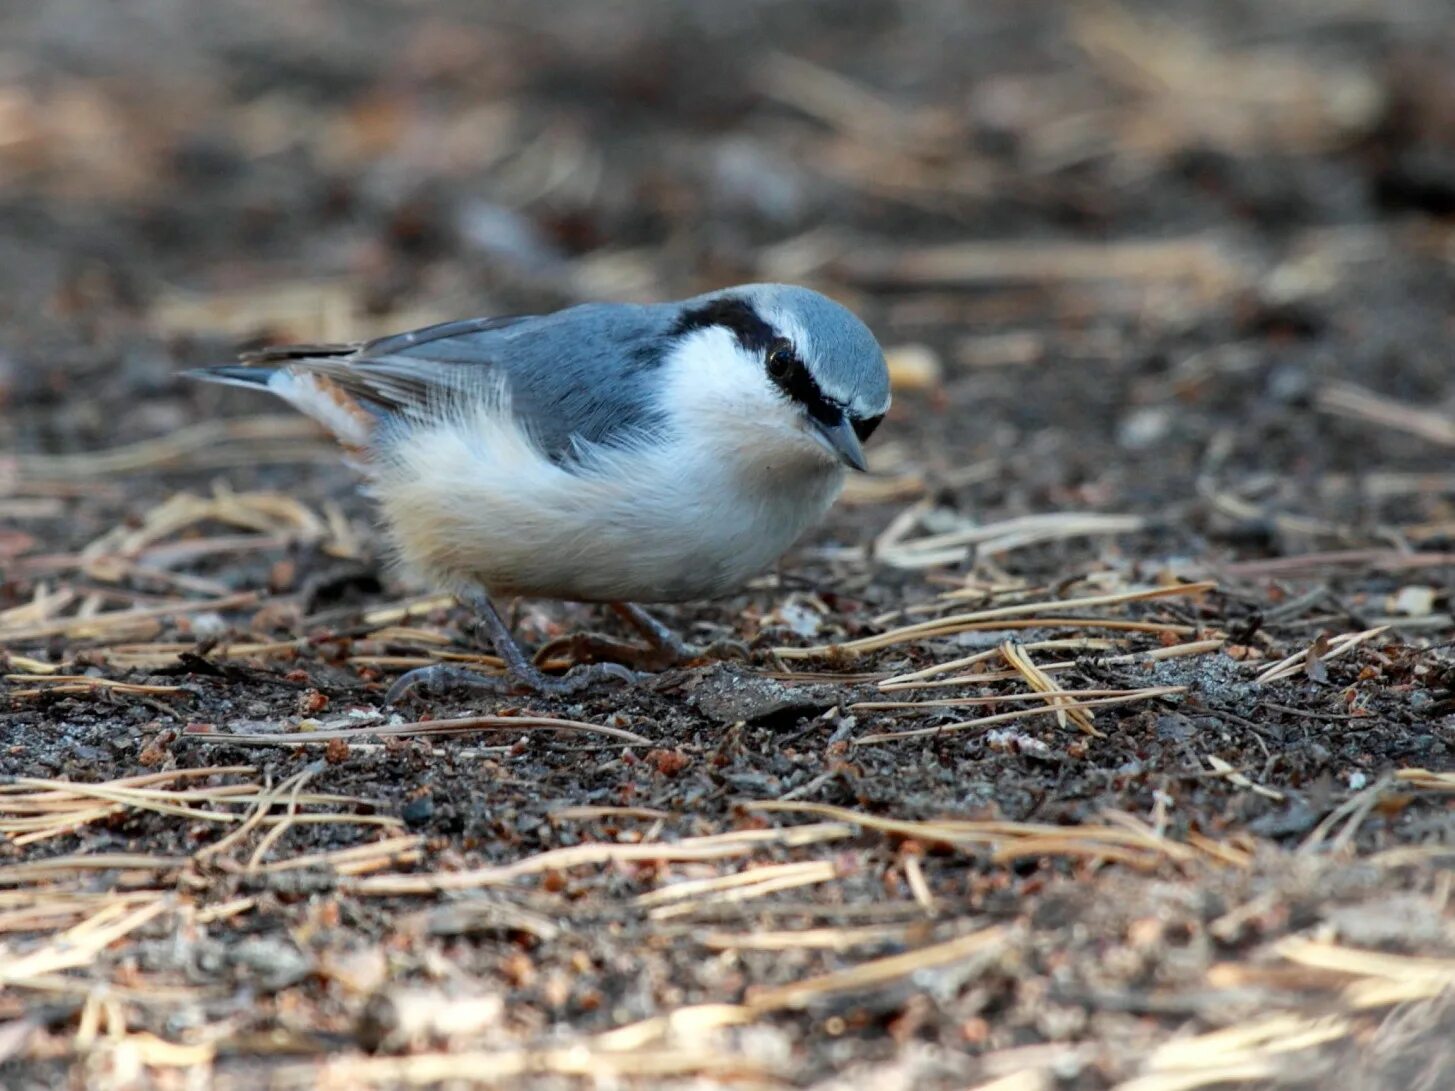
1167	290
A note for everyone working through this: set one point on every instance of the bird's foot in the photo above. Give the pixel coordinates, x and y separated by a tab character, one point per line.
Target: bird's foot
681	651
670	647
442	680
575	680
663	649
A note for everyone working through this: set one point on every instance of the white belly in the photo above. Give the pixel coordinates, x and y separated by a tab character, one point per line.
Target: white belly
470	505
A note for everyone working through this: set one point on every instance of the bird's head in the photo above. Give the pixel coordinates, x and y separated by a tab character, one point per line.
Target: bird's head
784	368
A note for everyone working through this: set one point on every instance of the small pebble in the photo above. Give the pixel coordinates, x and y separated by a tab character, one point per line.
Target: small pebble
913	367
418	811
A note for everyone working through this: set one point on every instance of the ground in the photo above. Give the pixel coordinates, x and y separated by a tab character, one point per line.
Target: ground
1167	292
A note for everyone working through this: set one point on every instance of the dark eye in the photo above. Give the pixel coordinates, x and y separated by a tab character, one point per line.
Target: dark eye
865	428
780	359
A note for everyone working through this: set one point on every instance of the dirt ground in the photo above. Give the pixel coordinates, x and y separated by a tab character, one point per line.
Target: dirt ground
1168	291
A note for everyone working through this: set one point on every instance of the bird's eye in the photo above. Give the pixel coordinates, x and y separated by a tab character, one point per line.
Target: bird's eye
780	359
864	428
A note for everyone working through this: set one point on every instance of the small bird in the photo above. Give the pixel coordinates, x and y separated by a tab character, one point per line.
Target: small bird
609	452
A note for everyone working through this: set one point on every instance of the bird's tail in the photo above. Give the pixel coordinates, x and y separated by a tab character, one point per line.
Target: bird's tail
234	375
309	392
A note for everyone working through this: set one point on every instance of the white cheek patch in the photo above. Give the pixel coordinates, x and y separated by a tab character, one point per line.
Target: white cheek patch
720	399
710	366
710	381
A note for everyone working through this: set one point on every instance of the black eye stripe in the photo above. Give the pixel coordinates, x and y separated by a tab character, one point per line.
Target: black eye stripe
735	315
799	385
864	428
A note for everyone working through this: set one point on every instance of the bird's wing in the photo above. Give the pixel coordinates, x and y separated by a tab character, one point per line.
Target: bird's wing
576	375
398	373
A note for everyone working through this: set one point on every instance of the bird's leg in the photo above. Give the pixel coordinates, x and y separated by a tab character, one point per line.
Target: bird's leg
667	649
440	679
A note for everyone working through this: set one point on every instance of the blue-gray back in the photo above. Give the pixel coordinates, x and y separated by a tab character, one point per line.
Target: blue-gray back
582	372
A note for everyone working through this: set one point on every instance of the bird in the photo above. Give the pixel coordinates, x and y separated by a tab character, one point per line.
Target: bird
608	452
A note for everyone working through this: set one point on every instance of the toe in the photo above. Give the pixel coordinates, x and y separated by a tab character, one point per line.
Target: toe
438	680
585	677
409	683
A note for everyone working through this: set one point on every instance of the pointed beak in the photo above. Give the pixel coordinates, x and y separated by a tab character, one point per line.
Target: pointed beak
842	441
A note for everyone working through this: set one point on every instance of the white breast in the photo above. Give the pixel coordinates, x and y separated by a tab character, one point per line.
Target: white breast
470	499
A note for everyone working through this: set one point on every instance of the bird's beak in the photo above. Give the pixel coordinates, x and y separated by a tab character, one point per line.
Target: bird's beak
842	441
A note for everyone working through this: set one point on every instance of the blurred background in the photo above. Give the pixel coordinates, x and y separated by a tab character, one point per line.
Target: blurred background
1156	257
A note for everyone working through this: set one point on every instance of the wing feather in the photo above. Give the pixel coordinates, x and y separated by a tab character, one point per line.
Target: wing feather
576	375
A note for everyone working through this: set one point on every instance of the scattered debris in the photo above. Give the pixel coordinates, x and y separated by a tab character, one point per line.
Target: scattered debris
1101	738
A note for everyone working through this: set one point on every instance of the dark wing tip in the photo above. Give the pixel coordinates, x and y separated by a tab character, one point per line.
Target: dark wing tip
278	353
